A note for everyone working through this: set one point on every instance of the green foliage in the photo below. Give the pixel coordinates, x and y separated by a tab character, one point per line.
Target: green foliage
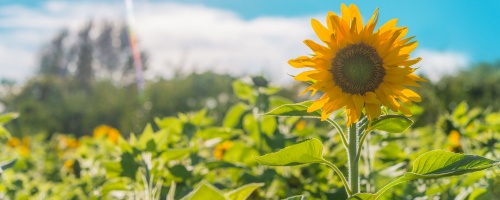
176	156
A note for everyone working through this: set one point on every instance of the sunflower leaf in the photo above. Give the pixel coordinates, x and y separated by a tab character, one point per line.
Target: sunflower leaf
308	151
243	192
205	191
391	123
439	164
297	109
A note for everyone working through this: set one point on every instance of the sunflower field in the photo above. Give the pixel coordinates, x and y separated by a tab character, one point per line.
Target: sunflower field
364	133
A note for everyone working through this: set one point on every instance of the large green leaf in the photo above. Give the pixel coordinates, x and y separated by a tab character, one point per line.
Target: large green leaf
391	123
243	192
205	191
308	151
297	109
440	163
437	164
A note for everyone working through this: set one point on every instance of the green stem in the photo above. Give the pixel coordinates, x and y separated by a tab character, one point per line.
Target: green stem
353	158
342	177
341	132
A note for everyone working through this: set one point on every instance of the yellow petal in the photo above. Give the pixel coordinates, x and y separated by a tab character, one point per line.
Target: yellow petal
318	103
321	31
342	27
359	103
318	49
416	78
372	110
346	14
388	25
329	22
405	111
355	14
304	76
371	97
409	47
411	62
302	61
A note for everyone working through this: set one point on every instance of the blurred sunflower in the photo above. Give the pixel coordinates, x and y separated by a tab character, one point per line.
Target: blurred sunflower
111	133
23	146
359	68
454	140
221	149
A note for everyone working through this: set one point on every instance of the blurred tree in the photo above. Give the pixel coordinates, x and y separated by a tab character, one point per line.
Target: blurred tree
54	56
84	72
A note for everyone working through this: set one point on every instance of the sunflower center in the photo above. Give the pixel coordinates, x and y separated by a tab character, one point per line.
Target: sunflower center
357	69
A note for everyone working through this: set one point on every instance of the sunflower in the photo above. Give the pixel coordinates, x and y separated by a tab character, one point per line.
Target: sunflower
359	68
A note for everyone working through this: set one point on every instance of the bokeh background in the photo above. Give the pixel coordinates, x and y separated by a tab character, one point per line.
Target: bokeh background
68	66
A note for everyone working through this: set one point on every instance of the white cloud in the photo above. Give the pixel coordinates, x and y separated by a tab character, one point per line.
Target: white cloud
436	64
200	37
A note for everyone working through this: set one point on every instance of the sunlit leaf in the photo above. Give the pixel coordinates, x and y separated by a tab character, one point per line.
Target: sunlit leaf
439	164
116	184
205	191
170	124
298	109
6	117
268	125
275	101
175	154
234	115
217	132
308	151
243	90
243	192
391	123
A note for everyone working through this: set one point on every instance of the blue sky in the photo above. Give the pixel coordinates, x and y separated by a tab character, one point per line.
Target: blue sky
471	27
451	34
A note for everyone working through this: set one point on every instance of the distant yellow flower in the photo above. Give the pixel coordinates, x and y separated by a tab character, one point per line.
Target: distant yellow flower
22	145
359	68
68	164
14	142
220	149
454	140
111	133
300	125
